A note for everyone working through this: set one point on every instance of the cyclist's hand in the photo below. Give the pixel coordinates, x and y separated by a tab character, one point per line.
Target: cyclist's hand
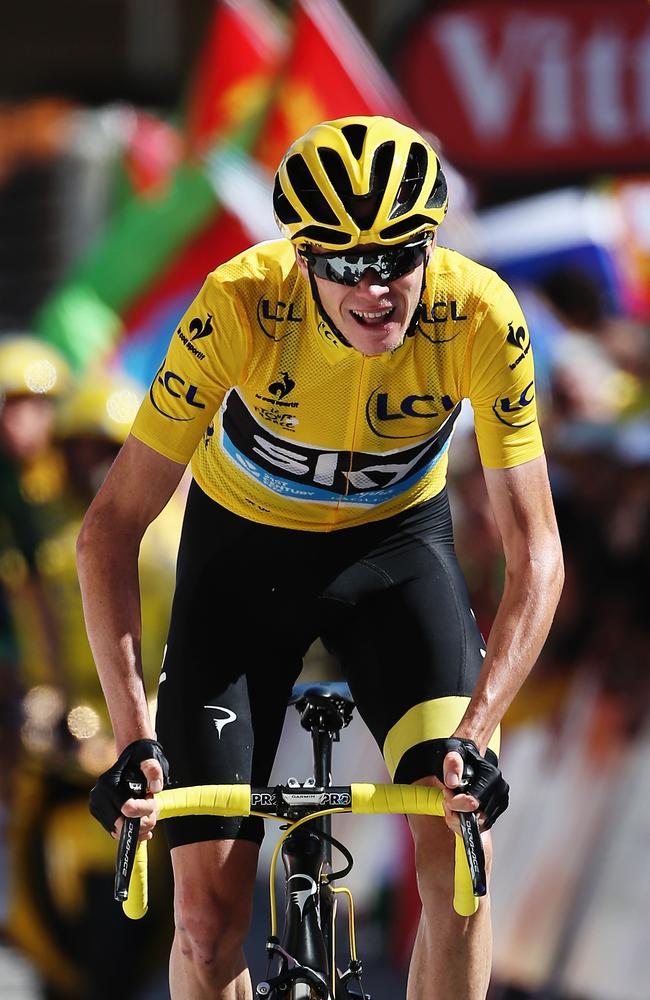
460	765
126	789
453	800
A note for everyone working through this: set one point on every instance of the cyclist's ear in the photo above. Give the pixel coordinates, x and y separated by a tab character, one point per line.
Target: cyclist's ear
453	769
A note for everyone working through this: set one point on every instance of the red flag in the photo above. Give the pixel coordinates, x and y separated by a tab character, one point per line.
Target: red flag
228	95
331	72
240	57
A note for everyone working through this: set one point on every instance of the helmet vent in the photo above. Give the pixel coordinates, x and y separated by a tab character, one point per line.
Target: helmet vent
355	135
406	227
320	234
438	195
412	180
338	176
283	208
308	192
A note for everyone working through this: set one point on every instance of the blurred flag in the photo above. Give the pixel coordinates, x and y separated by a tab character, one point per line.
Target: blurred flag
331	72
229	90
226	101
153	151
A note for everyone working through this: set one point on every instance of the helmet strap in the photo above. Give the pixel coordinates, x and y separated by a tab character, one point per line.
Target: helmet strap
319	305
417	312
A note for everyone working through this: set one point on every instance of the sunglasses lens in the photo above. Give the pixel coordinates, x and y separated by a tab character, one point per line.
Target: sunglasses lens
349	269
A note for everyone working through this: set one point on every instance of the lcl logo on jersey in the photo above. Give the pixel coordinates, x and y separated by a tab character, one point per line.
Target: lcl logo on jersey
506	410
385	414
431	320
174	385
277	320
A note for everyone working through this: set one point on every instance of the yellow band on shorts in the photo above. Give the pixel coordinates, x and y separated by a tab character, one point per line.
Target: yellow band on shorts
429	720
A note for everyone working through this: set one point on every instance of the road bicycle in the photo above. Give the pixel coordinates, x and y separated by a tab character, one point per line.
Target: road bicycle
302	955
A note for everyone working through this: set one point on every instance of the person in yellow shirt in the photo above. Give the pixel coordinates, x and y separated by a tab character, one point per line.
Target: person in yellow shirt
314	384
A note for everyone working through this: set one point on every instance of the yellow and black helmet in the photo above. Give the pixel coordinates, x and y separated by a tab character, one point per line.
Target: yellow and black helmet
359	180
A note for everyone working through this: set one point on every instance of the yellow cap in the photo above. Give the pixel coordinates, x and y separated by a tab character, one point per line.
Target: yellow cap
103	405
29	365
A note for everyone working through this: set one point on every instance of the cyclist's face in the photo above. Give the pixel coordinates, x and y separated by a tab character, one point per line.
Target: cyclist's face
373	315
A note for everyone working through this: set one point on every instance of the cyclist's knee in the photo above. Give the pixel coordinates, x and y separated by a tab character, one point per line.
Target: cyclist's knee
435	857
210	925
213	895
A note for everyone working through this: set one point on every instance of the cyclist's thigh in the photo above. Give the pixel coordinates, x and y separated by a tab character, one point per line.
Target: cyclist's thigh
228	669
408	641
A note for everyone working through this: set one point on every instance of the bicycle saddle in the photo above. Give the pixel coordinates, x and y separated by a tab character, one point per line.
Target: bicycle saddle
322	694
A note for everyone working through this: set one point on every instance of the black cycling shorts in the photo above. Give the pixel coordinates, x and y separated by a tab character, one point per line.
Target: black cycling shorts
387	598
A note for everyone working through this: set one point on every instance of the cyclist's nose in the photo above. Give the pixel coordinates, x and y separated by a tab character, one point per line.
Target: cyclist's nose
372	282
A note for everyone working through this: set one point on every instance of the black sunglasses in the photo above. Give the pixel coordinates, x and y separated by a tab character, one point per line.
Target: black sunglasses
349	268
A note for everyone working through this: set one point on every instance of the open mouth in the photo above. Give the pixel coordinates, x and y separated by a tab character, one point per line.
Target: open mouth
373	318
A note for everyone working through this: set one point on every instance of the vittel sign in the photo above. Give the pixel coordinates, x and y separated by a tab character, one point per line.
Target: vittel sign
530	87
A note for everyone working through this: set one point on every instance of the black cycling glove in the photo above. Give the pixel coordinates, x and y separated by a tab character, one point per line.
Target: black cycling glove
481	776
125	780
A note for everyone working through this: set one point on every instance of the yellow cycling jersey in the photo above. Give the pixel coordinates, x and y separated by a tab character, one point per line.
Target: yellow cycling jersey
287	425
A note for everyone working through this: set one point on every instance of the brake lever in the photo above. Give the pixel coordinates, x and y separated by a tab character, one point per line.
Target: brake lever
474	852
127	847
472	841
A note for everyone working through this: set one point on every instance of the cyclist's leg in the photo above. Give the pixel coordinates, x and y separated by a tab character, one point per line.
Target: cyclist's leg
213	888
222	700
403	611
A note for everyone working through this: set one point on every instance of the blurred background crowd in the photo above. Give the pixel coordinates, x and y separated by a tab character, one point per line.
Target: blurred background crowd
138	140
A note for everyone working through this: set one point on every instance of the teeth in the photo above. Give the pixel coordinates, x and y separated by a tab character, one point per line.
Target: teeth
372	315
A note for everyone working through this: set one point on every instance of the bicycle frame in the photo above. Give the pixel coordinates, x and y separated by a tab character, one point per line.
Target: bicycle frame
306	953
302	962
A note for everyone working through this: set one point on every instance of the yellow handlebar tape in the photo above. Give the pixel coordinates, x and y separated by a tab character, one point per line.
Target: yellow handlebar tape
205	800
419	800
234	800
199	800
136	903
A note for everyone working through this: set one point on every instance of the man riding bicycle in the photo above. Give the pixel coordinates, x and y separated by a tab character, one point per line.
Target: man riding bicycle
315	382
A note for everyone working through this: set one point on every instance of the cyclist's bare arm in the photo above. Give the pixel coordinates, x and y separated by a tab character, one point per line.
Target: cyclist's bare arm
523	509
138	486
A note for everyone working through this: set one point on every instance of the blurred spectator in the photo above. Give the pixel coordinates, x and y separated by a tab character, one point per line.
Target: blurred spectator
595	370
61	907
33	376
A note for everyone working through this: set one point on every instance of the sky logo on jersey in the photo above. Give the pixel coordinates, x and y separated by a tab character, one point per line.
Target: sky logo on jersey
514	412
168	384
303	472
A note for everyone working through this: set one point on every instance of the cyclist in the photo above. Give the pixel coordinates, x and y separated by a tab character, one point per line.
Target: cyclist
315	382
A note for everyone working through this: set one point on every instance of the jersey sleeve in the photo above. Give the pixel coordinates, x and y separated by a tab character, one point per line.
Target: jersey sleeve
206	357
501	383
